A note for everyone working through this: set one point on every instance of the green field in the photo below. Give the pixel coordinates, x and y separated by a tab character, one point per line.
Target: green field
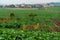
22	13
47	29
13	34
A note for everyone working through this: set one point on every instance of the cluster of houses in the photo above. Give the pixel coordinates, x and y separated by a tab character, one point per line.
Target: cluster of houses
26	5
30	5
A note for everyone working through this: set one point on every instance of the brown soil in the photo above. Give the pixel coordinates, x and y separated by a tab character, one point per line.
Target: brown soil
56	28
56	22
4	19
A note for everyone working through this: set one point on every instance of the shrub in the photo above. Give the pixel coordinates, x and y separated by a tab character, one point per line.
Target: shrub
12	15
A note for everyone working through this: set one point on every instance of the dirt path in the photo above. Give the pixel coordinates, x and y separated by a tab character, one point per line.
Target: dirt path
52	29
56	22
57	25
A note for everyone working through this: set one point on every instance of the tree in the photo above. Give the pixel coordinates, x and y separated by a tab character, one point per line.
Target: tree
12	6
1	6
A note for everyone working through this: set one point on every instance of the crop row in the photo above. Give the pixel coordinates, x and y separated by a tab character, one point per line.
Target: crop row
42	24
13	34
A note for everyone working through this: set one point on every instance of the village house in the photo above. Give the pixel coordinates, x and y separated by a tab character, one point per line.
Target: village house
47	5
25	5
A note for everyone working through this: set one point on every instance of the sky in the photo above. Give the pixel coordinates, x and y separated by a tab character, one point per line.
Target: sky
26	1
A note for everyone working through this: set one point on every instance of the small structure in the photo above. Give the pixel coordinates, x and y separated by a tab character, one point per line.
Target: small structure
27	6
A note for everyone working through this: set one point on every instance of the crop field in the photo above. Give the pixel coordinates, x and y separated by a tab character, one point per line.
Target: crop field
36	24
13	34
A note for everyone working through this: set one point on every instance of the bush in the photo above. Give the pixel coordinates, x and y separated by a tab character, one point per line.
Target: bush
1	25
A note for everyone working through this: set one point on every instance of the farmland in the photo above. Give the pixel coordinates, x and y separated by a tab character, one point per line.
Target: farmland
42	22
13	34
42	15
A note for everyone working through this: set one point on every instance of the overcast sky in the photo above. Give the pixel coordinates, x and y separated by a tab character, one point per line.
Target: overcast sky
26	1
